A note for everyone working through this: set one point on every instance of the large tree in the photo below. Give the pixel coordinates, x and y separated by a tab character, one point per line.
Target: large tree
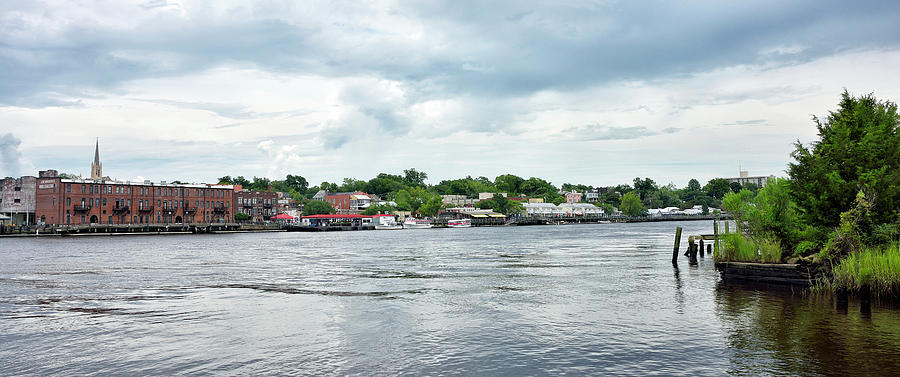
296	183
631	205
858	149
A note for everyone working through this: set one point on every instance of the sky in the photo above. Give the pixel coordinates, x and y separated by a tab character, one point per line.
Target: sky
591	92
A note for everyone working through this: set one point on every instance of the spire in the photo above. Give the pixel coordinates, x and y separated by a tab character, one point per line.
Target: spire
97	153
97	167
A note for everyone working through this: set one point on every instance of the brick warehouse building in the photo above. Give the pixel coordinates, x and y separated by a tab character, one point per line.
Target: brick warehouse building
84	201
259	205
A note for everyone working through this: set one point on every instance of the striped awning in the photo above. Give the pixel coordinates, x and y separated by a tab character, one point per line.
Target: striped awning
497	215
479	215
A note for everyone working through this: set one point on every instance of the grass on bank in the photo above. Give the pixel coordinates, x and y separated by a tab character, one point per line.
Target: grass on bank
879	268
735	247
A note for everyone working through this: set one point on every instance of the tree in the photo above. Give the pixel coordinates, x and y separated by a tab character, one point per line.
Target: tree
317	207
329	187
716	188
226	180
858	149
379	208
413	199
631	205
693	185
537	188
431	206
240	216
502	205
508	183
645	187
240	180
736	187
296	182
412	177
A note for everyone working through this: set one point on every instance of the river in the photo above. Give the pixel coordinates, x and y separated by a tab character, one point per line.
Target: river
599	299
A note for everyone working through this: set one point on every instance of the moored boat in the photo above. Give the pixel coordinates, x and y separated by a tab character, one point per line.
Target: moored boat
459	223
413	223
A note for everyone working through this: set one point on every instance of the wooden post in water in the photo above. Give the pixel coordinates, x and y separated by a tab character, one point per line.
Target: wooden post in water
709	250
702	249
677	243
692	251
715	236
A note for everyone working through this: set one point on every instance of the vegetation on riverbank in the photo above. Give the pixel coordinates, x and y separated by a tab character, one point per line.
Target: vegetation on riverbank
875	267
840	209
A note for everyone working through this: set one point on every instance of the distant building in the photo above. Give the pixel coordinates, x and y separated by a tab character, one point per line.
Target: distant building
744	177
104	201
573	197
458	200
17	199
488	195
592	196
259	205
349	202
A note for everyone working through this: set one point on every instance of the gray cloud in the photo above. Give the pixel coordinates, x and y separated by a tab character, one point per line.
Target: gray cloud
10	155
751	122
508	48
599	132
224	110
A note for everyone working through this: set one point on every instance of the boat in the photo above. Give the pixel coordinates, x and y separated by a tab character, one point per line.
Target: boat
413	223
459	223
386	222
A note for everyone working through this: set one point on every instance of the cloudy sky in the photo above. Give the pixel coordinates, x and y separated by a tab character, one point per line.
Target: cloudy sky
590	92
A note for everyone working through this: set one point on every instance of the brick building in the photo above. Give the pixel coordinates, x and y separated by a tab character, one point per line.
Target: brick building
259	205
84	201
17	199
349	202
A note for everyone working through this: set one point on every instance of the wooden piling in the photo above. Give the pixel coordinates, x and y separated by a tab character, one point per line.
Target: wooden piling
716	236
709	249
677	243
702	249
692	251
726	227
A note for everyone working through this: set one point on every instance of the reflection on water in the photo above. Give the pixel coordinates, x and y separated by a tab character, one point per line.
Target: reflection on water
777	330
588	300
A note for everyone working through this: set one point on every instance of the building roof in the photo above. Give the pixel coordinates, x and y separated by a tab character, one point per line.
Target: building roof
335	216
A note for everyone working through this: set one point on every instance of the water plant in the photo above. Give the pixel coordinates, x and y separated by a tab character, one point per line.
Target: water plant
879	268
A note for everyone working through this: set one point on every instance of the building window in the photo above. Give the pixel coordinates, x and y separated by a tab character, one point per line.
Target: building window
83	189
68	202
68	187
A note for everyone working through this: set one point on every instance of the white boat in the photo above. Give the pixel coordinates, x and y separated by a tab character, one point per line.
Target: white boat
459	223
412	223
386	222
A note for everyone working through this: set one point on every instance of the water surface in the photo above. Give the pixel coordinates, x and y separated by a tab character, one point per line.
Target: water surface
597	299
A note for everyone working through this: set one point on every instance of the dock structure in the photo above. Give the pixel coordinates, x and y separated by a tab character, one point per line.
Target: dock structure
122	229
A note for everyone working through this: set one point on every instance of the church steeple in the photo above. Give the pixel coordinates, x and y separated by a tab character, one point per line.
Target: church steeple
97	167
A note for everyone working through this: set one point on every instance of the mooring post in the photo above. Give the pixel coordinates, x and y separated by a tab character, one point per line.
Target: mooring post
715	236
677	242
841	300
692	251
865	300
702	249
726	227
709	249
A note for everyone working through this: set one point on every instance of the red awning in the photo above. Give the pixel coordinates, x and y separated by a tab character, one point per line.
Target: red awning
282	216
